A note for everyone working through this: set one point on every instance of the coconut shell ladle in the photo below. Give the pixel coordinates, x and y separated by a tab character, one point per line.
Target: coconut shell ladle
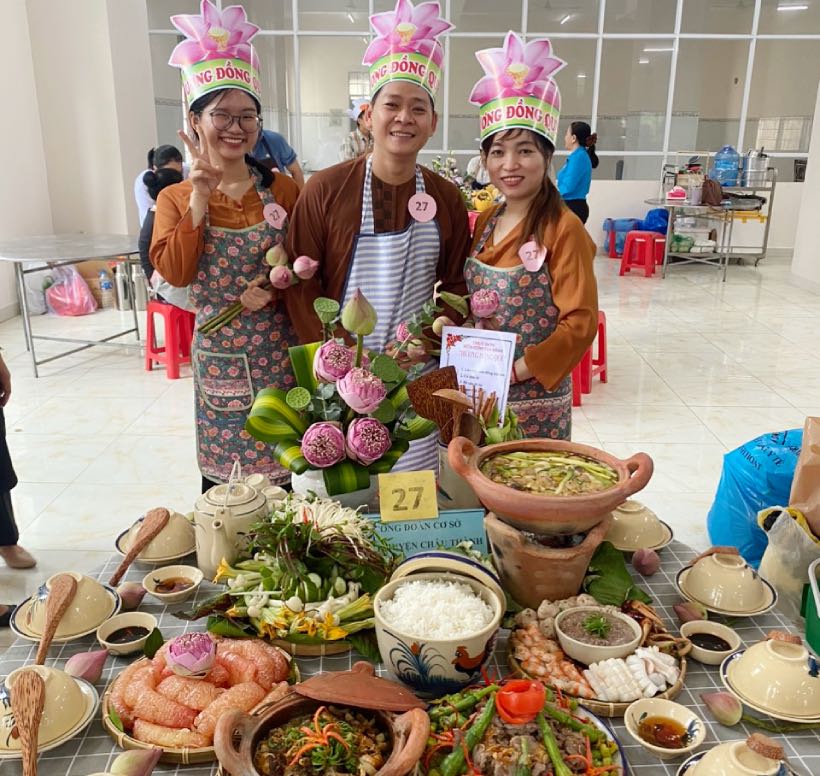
460	404
153	522
28	696
60	594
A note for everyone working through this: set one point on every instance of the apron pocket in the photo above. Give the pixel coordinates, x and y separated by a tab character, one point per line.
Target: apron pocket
223	380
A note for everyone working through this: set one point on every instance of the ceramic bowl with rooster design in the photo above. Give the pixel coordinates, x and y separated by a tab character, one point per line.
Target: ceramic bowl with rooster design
434	667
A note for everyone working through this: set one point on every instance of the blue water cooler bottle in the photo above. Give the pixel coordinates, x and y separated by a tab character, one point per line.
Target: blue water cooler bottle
726	166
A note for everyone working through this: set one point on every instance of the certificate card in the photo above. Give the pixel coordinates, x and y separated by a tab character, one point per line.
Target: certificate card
482	359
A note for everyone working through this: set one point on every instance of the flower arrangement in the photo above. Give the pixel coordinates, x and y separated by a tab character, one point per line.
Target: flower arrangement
349	416
474	199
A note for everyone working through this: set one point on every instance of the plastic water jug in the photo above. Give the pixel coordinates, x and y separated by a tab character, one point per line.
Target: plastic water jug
726	166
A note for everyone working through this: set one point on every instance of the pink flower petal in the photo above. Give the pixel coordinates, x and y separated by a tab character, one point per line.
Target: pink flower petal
233	16
404	11
426	13
552	65
536	51
247	53
493	60
383	23
186	53
189	24
377	49
514	48
484	91
210	15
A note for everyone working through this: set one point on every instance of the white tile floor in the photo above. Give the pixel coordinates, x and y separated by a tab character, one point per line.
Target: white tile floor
696	367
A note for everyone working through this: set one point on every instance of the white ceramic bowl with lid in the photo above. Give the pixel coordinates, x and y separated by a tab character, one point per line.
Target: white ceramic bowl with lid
725	582
636	527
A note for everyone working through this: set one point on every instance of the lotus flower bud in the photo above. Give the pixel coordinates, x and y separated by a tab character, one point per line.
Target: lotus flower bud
646	562
367	440
361	390
281	277
484	302
305	267
191	654
689	611
87	665
131	594
358	315
136	762
332	361
276	256
323	444
725	708
403	332
440	323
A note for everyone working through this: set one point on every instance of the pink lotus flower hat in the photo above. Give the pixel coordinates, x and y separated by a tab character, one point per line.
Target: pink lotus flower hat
406	46
518	90
217	52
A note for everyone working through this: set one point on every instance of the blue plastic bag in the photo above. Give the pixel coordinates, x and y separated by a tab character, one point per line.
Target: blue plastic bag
620	226
657	220
756	475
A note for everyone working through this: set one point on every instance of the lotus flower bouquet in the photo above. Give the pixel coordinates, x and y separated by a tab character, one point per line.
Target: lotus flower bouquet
349	416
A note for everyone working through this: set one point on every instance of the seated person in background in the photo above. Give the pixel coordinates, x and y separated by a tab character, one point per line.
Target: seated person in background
158	158
154	183
276	154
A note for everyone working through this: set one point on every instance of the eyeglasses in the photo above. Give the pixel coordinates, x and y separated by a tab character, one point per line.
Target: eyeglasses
222	121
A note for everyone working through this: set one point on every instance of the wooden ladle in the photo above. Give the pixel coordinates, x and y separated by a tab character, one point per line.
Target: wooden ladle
153	522
60	594
28	696
460	404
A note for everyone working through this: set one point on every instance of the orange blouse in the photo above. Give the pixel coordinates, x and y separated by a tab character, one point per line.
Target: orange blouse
177	244
570	254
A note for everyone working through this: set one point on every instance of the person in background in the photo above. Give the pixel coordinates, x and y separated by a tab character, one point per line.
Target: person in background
212	232
575	176
158	158
275	153
477	172
155	182
11	552
360	141
531	251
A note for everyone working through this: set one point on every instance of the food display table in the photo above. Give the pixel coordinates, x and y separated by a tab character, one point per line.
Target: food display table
92	750
63	249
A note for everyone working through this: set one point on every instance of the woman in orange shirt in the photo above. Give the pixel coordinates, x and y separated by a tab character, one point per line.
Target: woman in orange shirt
211	232
531	255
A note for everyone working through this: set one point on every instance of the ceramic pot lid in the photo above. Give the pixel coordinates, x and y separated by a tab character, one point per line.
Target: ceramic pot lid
451	563
233	495
359	687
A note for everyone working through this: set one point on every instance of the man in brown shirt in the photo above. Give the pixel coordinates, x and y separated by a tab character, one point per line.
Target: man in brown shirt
327	219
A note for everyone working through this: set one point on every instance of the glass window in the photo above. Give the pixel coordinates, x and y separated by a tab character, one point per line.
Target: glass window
640	16
786	17
161	11
627	168
464	127
334	15
708	94
485	15
575	80
275	54
167	89
732	17
633	94
783	93
562	16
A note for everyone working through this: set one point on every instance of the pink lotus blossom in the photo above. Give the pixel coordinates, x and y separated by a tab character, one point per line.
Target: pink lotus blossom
323	445
408	29
361	390
517	70
484	302
305	267
403	332
332	361
214	35
281	277
367	440
191	654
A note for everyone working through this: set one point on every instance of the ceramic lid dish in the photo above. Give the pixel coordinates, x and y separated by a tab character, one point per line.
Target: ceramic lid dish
758	755
174	541
636	527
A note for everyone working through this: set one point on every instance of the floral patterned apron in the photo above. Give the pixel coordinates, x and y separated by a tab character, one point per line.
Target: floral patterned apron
527	307
231	365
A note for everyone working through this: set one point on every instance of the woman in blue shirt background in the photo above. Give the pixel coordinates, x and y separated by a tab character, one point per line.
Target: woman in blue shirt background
576	175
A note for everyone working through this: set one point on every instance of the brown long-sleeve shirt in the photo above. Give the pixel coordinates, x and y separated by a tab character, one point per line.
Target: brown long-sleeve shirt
570	254
327	219
177	244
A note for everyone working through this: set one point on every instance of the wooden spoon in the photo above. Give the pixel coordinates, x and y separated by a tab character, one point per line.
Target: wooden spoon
28	696
471	428
460	404
60	594
155	520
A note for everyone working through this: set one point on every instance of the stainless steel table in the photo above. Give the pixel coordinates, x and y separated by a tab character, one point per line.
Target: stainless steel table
92	750
63	249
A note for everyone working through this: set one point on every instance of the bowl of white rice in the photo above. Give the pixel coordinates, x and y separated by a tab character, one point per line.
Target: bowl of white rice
436	630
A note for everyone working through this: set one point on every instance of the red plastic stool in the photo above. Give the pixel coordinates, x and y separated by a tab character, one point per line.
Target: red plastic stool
590	365
179	331
639	251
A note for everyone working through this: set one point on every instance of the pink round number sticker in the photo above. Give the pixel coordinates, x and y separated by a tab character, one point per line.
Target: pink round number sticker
275	215
422	207
532	257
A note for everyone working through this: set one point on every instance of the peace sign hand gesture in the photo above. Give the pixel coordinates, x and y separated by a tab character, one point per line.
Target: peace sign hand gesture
204	175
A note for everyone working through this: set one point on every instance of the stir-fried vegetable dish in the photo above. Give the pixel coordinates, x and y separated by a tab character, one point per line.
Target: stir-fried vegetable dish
549	473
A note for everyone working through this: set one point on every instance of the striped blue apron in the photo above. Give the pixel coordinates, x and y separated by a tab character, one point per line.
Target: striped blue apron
396	271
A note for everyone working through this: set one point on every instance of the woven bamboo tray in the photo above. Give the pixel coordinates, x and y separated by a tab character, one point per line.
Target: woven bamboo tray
605	708
313	650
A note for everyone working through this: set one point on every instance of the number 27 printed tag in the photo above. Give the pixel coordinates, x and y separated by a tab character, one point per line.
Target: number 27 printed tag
407	496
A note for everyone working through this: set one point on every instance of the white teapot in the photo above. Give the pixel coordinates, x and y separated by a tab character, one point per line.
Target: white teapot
224	514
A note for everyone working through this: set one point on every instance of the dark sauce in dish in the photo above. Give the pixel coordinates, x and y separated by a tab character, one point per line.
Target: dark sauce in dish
663	732
128	634
710	641
172	585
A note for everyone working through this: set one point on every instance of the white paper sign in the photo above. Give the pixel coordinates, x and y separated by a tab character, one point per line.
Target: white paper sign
482	359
